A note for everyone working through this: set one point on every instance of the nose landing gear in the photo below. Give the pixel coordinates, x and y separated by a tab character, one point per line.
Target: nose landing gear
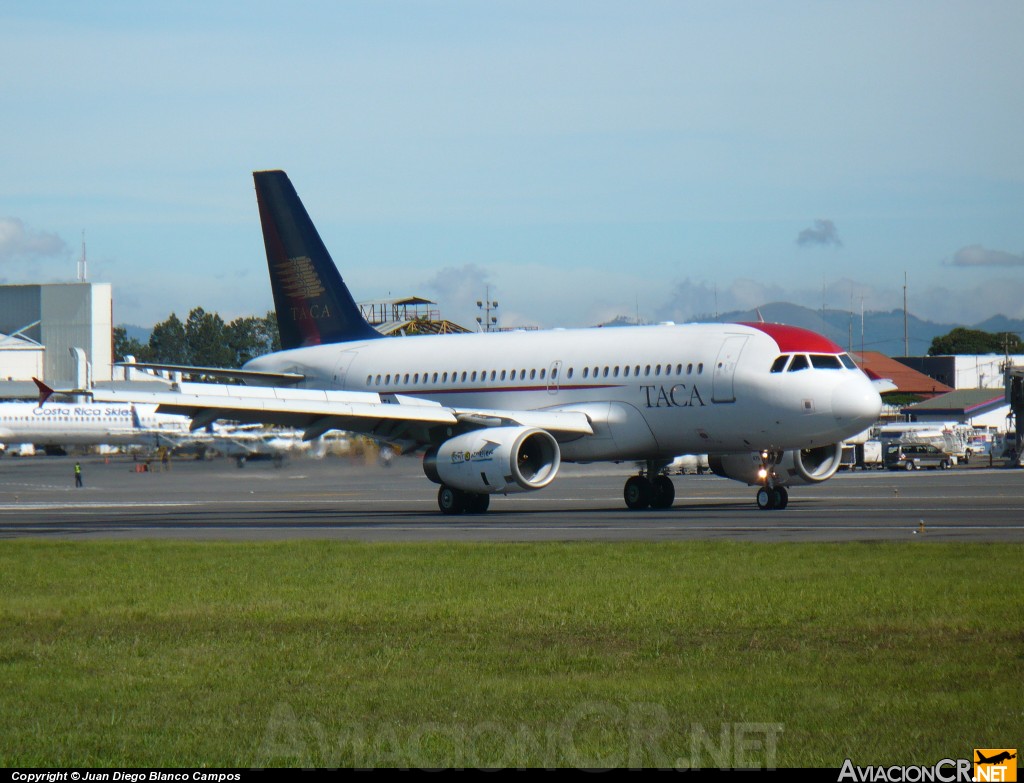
771	496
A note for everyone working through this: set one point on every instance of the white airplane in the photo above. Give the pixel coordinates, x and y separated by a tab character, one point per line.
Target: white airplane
90	423
498	412
245	443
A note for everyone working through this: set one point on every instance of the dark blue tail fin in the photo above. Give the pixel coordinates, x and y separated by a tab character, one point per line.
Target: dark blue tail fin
314	306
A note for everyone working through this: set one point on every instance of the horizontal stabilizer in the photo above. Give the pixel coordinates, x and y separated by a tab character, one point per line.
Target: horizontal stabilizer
45	392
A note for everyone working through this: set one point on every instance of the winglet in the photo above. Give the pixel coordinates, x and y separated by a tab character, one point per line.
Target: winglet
882	385
45	392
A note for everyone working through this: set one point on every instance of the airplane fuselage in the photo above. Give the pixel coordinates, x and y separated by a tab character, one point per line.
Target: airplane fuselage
650	392
82	424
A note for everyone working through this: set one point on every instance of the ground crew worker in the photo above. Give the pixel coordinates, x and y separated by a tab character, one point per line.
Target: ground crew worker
78	474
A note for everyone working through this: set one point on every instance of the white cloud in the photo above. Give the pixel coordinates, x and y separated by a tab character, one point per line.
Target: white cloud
458	289
695	300
19	243
976	255
691	300
969	305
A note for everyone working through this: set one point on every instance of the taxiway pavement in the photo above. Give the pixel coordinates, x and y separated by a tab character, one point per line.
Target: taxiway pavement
345	499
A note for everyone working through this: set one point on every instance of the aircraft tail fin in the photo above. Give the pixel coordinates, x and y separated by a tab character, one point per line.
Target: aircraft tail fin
45	392
313	304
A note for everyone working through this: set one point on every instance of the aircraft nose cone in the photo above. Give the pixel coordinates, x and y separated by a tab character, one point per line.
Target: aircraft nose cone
856	403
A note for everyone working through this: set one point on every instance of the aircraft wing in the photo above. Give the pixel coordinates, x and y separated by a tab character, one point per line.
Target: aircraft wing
284	378
384	416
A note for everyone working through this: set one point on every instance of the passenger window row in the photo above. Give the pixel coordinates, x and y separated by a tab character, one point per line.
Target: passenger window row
635	370
481	376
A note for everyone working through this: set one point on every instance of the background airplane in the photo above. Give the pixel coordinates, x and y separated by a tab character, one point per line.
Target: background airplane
246	442
59	424
497	412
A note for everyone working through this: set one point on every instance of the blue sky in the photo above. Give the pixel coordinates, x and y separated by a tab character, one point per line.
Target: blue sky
583	159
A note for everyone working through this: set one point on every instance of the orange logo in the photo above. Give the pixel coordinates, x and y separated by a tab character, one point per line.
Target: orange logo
299	278
995	764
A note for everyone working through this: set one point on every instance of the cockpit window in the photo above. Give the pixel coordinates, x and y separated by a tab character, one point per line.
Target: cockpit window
825	362
848	362
780	364
799	363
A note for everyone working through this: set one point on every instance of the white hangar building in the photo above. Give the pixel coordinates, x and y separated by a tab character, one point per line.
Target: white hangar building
61	331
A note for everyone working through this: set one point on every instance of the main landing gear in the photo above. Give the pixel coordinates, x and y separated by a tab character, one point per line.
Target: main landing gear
455	501
771	496
642	491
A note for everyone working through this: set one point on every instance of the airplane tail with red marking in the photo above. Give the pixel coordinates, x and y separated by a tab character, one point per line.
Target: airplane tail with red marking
313	304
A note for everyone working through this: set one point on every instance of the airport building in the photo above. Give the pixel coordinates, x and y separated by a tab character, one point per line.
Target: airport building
406	316
20	358
61	332
983	408
974	371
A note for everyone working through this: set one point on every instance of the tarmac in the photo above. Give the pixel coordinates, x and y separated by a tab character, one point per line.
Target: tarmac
342	498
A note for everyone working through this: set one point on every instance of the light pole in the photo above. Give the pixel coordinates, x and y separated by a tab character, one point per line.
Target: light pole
487	322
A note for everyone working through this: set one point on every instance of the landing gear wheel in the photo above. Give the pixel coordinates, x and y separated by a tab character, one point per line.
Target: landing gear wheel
451	501
781	497
664	492
637	493
476	504
766	499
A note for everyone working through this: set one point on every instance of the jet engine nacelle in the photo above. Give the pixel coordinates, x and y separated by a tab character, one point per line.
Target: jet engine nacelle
498	459
802	466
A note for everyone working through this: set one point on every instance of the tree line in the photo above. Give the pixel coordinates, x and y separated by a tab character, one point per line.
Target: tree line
974	341
203	340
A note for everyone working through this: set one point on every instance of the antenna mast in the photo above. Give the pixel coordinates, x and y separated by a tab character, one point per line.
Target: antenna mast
83	271
862	327
906	341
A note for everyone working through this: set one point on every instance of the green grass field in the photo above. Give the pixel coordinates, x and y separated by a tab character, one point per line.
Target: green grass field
622	654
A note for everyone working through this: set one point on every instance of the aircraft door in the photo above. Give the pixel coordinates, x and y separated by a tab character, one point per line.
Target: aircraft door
725	369
553	380
340	376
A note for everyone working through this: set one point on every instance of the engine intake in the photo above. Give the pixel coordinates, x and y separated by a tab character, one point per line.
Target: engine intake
799	466
498	459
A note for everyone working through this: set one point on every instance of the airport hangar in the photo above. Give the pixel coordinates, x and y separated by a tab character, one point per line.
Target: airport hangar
59	332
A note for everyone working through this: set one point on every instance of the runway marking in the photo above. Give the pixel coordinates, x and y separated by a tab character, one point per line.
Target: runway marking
92	506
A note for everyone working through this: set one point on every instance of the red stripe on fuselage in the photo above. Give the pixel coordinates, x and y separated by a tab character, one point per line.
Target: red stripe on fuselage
793	339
